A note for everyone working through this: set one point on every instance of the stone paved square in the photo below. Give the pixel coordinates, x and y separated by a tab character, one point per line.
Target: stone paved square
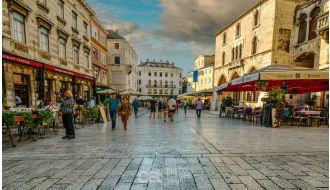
189	153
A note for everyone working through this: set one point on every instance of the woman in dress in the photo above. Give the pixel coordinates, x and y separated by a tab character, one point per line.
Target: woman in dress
125	111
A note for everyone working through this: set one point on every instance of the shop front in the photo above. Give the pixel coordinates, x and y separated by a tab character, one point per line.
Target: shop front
27	82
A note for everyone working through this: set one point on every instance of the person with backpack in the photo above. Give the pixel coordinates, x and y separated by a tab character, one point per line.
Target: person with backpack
185	105
172	107
199	106
136	106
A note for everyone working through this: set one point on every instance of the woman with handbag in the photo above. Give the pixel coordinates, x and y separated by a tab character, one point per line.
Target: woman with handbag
125	111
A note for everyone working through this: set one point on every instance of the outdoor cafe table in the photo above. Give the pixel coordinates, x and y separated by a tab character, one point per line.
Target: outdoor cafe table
310	115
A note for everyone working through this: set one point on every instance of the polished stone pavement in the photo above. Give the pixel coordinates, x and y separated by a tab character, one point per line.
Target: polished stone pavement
189	153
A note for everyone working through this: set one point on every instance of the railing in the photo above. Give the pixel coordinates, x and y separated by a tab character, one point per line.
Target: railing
160	86
235	64
323	22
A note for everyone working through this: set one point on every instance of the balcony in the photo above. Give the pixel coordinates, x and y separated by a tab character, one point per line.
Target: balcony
323	22
235	64
160	86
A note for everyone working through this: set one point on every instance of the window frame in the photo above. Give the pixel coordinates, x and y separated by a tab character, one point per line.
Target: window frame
86	64
75	52
74	20
60	40
21	22
60	9
44	38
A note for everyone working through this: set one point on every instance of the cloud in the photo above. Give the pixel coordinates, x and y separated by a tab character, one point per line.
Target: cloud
198	20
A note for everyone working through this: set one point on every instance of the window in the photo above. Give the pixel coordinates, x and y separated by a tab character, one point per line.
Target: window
139	73
160	82
85	29
240	51
166	83
60	5
74	20
155	91
75	54
43	39
236	53
238	29
166	91
161	74
96	74
224	38
139	81
254	45
236	98
95	54
19	27
160	91
149	74
166	74
256	18
140	90
104	77
149	82
116	45
155	83
171	91
62	47
94	32
251	96
313	23
171	74
223	58
155	74
232	54
86	59
103	58
302	28
103	38
117	60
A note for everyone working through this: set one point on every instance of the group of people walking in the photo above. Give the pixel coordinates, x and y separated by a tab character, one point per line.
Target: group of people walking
164	107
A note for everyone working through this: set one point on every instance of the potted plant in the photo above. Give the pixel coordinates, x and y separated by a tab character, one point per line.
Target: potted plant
227	102
276	98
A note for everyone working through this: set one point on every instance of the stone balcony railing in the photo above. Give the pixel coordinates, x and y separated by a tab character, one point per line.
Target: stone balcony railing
160	86
323	22
23	50
235	64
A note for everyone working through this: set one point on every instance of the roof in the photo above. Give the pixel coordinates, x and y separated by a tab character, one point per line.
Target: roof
158	64
113	35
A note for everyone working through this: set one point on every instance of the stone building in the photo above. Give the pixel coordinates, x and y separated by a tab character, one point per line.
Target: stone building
46	47
204	66
259	37
159	79
122	60
99	54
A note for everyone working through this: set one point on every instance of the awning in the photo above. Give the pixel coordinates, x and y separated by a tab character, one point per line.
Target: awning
297	80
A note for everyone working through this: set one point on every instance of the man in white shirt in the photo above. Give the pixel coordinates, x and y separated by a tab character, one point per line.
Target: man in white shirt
172	107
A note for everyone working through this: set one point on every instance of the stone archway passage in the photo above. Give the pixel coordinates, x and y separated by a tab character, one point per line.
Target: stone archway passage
306	60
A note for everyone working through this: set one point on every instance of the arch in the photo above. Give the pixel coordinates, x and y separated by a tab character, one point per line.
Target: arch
313	23
252	69
222	80
302	28
234	76
240	51
306	59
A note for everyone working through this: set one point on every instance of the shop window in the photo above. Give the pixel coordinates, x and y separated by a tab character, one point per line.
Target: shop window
44	39
313	23
302	28
18	27
21	88
62	47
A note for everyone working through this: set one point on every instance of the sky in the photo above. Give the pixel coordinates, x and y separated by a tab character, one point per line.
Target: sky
173	30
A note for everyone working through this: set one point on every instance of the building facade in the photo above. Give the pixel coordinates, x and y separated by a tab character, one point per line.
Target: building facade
159	79
204	66
99	54
259	37
122	62
46	50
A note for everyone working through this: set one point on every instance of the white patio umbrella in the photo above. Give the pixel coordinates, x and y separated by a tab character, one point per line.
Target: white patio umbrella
144	98
106	91
130	92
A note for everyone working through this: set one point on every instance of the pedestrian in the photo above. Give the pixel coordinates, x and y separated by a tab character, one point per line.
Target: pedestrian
185	104
67	115
160	108
153	108
113	107
80	101
165	109
136	106
199	105
171	107
125	111
91	103
177	106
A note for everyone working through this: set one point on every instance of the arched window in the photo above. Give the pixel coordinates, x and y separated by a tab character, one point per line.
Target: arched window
240	50
238	29
256	18
254	45
223	58
313	23
236	53
224	38
232	54
302	28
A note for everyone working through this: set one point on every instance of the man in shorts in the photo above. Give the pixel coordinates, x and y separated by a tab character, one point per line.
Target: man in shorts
153	108
172	107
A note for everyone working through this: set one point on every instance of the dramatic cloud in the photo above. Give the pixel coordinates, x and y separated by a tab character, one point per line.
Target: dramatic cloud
198	20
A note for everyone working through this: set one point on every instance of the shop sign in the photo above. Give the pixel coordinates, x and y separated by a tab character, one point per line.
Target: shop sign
21	60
